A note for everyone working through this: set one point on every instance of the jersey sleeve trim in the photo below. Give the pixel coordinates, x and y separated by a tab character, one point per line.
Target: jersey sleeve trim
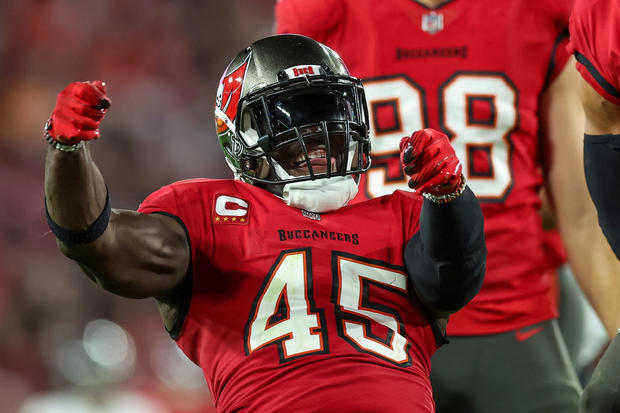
185	289
607	87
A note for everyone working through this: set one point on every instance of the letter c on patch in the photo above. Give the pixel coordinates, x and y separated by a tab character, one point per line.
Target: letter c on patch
223	206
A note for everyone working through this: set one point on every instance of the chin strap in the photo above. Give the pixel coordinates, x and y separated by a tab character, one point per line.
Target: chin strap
321	195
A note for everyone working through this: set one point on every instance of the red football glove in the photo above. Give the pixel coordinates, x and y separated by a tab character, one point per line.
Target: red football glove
79	109
429	160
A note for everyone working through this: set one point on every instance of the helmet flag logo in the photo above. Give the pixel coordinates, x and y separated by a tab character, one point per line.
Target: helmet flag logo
228	95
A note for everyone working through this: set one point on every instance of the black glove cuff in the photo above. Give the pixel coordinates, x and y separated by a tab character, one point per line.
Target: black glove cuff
81	236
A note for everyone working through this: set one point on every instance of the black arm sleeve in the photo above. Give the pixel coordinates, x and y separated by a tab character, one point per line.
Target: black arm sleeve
446	258
601	156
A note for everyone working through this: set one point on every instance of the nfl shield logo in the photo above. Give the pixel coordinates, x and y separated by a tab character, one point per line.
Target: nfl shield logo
432	22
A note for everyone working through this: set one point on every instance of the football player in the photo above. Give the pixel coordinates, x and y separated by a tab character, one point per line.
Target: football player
287	297
594	40
494	77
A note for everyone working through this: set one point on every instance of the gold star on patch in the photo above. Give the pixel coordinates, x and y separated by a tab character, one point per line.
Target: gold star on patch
217	218
234	219
242	219
225	219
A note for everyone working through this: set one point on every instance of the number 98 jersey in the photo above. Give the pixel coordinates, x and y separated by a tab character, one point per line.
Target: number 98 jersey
291	310
474	69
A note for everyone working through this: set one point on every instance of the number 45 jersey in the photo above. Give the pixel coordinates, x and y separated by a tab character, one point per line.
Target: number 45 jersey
474	69
299	312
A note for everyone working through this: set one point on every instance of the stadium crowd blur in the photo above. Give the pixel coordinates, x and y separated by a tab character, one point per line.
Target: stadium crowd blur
65	343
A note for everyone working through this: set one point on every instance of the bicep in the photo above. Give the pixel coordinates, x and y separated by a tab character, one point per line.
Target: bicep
562	121
139	255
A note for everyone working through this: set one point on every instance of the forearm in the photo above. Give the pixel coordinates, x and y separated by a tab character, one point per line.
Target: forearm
75	195
447	258
594	264
452	230
75	191
595	267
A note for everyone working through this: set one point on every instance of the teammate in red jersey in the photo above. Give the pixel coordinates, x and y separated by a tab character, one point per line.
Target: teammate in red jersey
288	298
594	39
494	77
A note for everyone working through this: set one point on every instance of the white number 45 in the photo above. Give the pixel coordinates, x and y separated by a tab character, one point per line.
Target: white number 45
284	313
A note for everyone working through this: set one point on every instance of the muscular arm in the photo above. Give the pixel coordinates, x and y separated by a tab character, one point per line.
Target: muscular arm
594	264
134	255
447	257
137	256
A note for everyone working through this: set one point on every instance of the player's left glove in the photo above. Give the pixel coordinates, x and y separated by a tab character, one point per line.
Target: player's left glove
433	168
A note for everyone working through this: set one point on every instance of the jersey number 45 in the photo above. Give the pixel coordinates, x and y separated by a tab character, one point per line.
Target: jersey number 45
284	313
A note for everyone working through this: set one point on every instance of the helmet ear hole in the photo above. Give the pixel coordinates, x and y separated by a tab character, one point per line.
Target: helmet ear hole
248	164
257	167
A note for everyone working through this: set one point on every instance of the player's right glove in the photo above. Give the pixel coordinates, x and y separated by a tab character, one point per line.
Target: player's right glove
432	165
79	110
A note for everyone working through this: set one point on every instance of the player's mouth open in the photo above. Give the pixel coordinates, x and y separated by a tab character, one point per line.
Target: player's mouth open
318	157
318	161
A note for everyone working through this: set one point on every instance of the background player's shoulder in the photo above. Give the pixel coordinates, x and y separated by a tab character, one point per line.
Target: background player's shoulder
558	11
311	18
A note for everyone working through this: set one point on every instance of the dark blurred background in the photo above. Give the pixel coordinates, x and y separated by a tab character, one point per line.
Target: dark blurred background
65	345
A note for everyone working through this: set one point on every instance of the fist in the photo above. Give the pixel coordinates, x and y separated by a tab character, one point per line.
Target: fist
429	160
79	109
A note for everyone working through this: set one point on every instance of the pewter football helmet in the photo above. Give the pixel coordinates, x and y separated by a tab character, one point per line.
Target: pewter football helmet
282	98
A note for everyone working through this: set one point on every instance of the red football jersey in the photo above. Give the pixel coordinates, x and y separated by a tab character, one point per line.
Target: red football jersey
299	312
595	39
474	69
